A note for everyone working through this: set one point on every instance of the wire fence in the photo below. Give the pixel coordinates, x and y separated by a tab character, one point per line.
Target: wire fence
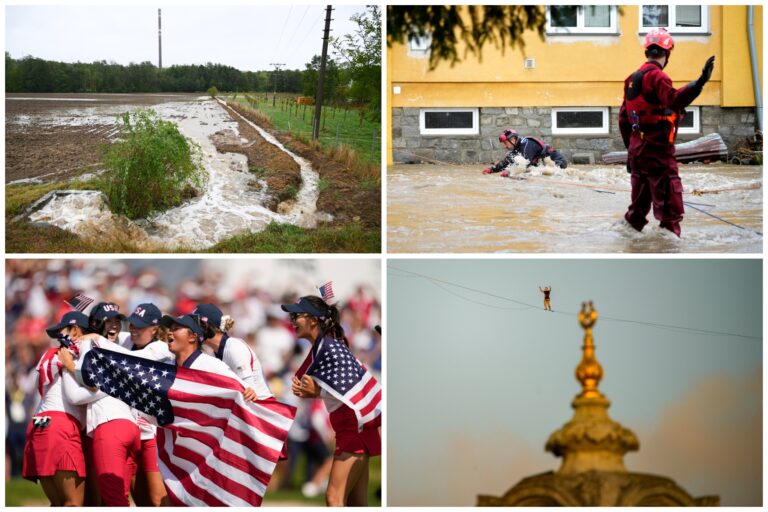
340	125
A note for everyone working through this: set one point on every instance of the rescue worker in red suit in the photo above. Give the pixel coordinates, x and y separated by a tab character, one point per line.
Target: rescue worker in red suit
530	148
648	122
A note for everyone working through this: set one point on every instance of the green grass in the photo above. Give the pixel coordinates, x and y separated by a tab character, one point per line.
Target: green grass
286	238
323	184
258	172
17	197
23	237
294	495
298	121
20	492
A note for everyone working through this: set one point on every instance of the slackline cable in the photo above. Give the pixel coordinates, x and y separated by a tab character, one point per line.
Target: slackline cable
675	328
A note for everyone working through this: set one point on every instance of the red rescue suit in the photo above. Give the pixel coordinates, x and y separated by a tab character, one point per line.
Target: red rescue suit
648	122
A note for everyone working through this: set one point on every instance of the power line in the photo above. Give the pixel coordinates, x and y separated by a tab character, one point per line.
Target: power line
675	328
280	39
293	37
311	29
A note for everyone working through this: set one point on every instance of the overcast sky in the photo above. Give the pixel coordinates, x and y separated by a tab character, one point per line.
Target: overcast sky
249	38
474	390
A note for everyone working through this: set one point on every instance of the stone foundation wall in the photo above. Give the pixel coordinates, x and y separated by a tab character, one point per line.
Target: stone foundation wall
733	125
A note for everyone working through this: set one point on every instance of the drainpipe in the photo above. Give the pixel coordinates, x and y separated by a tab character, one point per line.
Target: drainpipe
753	59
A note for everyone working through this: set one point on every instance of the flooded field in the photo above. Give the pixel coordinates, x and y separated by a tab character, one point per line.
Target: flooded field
53	137
435	208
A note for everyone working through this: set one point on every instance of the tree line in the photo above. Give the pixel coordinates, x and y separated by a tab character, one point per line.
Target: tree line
34	75
31	74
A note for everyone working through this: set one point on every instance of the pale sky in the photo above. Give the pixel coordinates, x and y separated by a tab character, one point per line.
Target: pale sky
474	391
249	38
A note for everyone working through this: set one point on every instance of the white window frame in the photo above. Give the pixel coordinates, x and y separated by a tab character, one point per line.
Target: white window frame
475	130
605	129
580	28
671	28
420	45
696	112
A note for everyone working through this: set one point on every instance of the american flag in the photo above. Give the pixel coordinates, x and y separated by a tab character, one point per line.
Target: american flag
215	449
326	291
344	377
79	302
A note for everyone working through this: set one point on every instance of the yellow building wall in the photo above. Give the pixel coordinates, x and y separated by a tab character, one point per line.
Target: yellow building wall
570	70
578	70
737	87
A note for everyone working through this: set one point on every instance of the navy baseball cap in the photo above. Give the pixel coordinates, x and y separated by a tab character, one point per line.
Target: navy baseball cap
145	315
68	320
106	311
191	322
209	313
303	306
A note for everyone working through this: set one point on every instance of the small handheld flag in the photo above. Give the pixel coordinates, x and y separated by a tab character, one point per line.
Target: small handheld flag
326	291
79	302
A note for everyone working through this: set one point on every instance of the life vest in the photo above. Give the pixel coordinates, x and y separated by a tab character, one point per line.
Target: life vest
545	149
650	119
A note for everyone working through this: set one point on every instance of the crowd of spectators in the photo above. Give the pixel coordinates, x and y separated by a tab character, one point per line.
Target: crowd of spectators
36	295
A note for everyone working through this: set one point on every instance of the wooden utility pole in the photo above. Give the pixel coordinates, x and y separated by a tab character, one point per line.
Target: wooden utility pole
277	65
321	76
159	42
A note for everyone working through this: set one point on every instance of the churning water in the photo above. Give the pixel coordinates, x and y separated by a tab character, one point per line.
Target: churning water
228	205
436	208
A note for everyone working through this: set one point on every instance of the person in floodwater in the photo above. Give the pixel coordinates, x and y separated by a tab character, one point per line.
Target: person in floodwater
530	148
546	291
648	121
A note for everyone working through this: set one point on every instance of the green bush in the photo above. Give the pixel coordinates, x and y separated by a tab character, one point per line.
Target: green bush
153	167
213	91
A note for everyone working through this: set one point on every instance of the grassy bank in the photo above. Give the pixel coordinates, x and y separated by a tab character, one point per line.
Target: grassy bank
23	493
353	127
25	237
279	238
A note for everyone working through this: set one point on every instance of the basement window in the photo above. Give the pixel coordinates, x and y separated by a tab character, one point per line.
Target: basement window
581	19
690	123
677	19
449	121
578	121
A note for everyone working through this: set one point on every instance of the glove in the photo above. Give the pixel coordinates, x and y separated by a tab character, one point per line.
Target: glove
487	170
706	73
505	173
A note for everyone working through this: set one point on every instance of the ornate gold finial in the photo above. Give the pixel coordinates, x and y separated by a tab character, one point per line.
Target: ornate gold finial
589	372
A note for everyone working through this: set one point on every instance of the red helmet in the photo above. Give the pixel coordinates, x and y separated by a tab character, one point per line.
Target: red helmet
508	134
659	37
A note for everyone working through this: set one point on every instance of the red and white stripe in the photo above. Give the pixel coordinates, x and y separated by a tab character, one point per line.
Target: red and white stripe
48	368
366	398
220	450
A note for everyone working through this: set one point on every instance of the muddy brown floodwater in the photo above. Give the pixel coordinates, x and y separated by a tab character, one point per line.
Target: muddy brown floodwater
434	208
52	137
229	204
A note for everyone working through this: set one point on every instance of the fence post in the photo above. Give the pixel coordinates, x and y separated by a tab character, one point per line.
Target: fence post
337	135
373	143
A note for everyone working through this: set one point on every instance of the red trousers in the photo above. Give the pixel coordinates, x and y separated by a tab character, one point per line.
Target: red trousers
655	182
115	446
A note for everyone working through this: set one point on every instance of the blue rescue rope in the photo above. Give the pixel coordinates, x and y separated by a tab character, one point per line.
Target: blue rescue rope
719	218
